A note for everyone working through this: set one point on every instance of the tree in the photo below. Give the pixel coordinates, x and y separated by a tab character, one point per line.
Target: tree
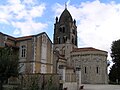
115	70
8	63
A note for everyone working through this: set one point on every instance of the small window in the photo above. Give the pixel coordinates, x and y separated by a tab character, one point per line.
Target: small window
63	29
58	40
72	39
64	39
44	39
23	51
60	29
97	70
73	31
85	70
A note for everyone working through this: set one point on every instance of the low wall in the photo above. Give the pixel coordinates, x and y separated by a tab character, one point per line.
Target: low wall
11	87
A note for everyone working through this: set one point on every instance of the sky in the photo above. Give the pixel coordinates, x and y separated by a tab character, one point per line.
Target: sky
98	21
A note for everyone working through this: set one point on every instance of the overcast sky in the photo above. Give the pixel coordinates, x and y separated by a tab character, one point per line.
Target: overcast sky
98	21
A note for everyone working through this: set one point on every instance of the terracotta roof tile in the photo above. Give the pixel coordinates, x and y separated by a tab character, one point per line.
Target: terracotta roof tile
11	38
86	49
24	38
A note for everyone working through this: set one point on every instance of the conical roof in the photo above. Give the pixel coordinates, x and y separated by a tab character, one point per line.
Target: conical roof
65	16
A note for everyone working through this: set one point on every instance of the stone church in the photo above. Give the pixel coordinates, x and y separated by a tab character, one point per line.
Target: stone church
36	52
92	62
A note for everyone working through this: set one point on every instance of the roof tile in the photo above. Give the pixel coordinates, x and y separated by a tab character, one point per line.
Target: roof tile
86	49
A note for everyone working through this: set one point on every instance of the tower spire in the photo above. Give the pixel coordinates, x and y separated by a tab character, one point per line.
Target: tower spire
65	5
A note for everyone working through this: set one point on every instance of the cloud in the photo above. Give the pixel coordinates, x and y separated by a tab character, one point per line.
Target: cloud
29	1
22	15
16	32
28	27
97	23
37	11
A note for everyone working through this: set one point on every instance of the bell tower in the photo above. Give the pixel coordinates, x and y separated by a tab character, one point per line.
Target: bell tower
65	29
65	35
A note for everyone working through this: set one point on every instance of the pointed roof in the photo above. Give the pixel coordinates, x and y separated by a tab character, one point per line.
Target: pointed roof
65	16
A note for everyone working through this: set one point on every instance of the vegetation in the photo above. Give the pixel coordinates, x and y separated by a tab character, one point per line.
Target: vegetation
33	83
8	64
115	69
39	82
9	68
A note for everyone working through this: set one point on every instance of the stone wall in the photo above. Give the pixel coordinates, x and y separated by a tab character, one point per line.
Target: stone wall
93	66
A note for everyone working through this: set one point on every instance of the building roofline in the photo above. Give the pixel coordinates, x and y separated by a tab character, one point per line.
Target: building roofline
46	35
87	49
10	37
24	37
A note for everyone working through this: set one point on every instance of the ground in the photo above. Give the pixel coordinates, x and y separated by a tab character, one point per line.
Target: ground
101	87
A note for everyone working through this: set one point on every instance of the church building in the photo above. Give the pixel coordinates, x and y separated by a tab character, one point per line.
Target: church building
91	61
37	53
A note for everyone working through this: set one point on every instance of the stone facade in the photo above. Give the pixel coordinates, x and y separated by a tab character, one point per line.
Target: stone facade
35	52
93	62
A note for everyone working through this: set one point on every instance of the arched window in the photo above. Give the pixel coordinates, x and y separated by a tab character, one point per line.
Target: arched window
73	31
97	70
60	29
23	51
58	40
64	39
85	70
72	39
63	29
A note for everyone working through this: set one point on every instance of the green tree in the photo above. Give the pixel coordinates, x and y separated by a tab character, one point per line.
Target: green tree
115	69
8	63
